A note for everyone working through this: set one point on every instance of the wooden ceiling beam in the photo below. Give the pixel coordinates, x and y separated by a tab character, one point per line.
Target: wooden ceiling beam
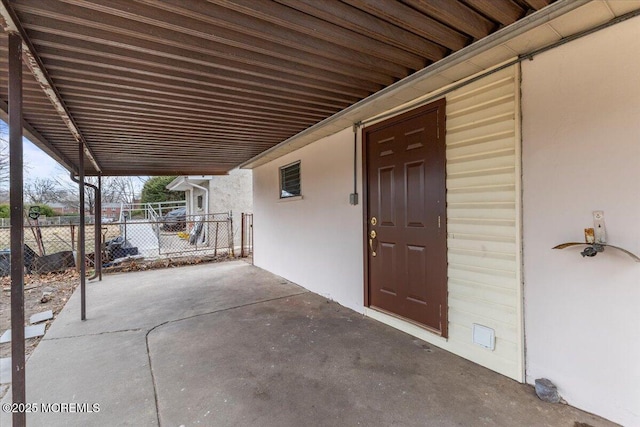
376	28
202	79
148	131
222	110
504	11
212	150
232	71
239	119
190	120
456	15
200	146
203	147
256	98
194	170
93	23
209	17
537	4
310	26
156	127
258	111
195	91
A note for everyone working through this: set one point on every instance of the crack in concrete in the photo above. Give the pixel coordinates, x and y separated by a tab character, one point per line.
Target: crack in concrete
153	378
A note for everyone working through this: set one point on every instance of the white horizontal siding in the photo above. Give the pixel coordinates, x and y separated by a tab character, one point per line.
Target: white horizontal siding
483	226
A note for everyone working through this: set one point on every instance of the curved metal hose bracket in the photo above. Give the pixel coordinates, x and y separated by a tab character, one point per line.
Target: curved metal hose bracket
592	249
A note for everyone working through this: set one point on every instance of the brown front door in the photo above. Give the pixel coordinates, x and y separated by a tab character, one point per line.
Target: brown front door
406	227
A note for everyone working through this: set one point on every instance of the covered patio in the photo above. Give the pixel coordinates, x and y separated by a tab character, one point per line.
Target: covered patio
118	87
231	344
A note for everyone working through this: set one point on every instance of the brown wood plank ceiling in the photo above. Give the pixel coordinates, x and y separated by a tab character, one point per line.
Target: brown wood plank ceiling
194	87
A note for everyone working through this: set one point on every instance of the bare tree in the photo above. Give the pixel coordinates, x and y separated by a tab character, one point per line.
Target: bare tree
43	191
4	161
4	166
118	189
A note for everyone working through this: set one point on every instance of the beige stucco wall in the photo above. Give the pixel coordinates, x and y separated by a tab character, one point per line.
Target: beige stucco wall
232	192
315	241
581	152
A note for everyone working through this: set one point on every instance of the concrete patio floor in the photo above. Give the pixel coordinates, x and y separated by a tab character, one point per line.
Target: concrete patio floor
231	345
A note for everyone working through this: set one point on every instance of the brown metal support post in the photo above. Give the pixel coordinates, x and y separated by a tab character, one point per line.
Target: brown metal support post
81	235
98	255
17	230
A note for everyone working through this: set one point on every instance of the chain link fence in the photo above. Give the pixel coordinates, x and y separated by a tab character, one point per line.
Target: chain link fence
175	235
50	248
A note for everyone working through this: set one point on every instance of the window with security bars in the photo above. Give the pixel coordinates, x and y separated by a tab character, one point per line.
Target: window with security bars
290	181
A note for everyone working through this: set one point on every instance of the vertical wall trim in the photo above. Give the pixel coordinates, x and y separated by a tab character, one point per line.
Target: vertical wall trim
519	243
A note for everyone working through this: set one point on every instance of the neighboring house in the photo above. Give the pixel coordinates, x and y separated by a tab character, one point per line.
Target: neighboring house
470	192
208	194
63	208
111	210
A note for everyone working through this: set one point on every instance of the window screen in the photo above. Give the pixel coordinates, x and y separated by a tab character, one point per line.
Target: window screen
290	181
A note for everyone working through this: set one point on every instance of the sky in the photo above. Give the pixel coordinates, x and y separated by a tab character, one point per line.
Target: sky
38	164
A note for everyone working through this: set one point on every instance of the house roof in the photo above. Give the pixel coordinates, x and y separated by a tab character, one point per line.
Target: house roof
187	87
184	183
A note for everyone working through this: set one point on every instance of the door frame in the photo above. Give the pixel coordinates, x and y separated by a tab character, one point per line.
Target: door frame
438	104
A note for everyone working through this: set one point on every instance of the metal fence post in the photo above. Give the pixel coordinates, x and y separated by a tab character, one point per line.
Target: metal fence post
158	236
230	234
242	235
215	247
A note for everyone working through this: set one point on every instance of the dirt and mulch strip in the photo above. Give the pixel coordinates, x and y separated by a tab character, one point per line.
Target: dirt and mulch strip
41	293
136	264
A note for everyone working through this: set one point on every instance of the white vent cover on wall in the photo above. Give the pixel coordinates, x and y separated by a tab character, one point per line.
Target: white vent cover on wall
484	337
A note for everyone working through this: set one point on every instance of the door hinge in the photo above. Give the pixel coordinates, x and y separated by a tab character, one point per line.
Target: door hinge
439	226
